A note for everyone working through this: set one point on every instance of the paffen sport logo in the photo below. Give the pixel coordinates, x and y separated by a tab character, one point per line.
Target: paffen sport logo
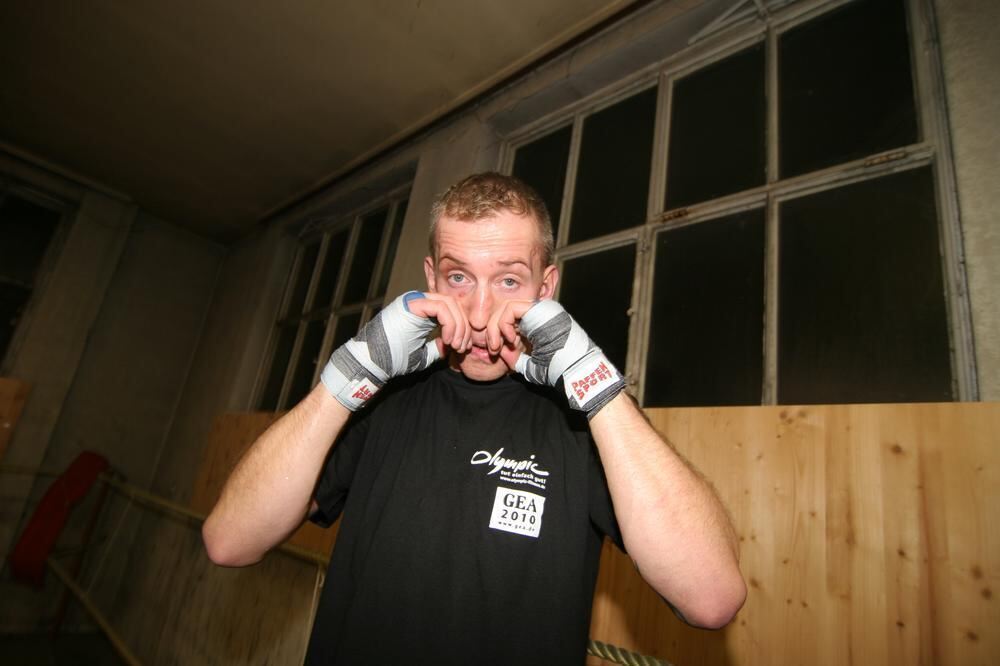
512	470
586	383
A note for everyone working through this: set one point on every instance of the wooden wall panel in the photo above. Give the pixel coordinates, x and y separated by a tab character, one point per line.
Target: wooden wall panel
13	393
867	535
230	437
177	608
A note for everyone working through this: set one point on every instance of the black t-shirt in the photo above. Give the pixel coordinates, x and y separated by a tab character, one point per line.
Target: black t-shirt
473	521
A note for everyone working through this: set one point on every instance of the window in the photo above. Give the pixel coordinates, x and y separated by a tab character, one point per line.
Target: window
770	222
338	282
602	278
613	169
862	295
717	130
543	164
26	229
711	277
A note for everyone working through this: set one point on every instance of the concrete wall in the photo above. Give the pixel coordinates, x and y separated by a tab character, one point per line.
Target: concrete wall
48	350
970	54
165	566
107	349
51	343
223	372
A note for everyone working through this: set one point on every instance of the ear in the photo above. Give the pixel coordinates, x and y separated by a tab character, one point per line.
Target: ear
430	274
550	278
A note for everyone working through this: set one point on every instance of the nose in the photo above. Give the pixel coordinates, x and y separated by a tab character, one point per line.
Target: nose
479	308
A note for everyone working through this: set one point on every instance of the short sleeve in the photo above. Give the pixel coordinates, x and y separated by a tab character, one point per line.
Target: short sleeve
602	511
338	473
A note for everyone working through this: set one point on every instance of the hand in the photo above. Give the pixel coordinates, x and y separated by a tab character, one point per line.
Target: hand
502	335
559	349
455	329
393	343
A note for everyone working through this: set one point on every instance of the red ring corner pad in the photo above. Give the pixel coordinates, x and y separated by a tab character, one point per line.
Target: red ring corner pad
27	559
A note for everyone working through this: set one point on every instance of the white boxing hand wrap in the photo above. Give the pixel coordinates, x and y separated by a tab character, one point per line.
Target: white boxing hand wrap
393	343
561	348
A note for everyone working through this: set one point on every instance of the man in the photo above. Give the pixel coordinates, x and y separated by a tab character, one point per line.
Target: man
476	494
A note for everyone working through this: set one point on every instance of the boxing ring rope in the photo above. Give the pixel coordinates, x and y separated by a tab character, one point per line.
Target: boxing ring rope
183	514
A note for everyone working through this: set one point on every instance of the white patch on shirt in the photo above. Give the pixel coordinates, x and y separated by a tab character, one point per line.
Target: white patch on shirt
517	511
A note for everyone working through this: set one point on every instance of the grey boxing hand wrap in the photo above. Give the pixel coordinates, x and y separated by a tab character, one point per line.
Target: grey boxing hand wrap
393	343
561	348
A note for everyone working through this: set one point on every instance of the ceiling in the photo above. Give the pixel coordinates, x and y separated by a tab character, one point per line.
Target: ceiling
215	114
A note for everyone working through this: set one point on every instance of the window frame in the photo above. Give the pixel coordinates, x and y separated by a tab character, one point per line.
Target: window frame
323	228
932	149
66	210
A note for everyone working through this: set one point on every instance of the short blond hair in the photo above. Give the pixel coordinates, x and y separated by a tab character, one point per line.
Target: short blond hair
483	195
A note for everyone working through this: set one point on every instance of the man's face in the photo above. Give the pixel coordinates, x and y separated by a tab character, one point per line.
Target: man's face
483	264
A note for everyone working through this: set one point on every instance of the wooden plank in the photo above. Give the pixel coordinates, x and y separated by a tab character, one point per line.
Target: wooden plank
179	608
867	536
230	437
13	394
970	481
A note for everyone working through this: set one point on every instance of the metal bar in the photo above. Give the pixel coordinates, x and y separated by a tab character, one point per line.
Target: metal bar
27	471
769	391
88	532
179	511
167	507
569	187
116	641
932	105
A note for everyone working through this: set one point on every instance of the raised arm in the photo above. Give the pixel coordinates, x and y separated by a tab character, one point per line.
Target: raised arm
673	525
270	491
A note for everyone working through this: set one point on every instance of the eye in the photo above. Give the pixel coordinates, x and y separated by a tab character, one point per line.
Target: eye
457	278
510	283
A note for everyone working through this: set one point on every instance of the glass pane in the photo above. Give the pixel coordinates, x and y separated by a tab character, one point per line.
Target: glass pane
706	343
862	296
301	285
25	231
597	292
845	86
390	250
365	254
331	269
279	364
305	368
542	164
13	298
717	129
612	182
347	326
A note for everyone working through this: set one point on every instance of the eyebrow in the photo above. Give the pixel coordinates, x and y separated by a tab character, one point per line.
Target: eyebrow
448	257
502	262
513	262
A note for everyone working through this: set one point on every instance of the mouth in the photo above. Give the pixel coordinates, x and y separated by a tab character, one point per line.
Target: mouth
480	353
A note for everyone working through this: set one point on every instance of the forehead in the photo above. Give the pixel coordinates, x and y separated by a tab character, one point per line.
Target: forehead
504	236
